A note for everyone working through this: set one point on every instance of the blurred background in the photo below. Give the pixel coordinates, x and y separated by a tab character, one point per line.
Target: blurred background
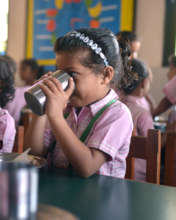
153	22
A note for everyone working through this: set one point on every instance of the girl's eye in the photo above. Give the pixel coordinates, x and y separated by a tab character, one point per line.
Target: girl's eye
72	74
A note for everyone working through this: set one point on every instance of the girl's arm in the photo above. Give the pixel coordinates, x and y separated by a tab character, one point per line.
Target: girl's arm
35	134
163	106
85	160
151	102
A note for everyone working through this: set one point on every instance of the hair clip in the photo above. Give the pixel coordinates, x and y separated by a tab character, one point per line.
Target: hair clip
91	44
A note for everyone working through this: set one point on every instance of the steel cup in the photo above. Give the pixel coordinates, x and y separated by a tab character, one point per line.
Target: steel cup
36	99
18	191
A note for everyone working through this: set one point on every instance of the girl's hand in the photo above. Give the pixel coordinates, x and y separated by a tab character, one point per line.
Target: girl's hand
45	76
56	97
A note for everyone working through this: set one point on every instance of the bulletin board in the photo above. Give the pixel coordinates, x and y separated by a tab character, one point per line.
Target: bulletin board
49	19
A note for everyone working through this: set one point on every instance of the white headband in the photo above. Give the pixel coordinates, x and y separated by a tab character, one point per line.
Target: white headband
91	44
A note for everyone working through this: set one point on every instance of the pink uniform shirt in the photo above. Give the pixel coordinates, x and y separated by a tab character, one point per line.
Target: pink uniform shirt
15	107
111	134
170	90
142	121
141	116
7	131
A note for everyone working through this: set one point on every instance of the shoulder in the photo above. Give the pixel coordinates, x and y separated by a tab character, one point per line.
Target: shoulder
19	90
117	114
5	116
6	120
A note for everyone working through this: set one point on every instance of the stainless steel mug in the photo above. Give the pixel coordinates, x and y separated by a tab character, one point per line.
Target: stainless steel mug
35	98
18	191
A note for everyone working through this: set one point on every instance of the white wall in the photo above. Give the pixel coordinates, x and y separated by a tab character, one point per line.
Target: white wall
17	31
149	27
150	30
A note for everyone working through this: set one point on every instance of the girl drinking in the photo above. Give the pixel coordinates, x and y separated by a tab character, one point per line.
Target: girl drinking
92	57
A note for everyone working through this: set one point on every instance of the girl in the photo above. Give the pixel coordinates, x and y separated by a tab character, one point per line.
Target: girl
29	72
7	125
92	57
134	43
136	86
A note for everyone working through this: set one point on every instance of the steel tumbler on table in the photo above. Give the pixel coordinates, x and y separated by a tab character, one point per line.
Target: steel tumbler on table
35	98
18	191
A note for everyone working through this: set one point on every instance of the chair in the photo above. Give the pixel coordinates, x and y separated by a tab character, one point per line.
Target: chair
170	159
20	131
149	149
26	118
19	140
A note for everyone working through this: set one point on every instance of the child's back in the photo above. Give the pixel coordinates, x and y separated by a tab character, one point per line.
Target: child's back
7	124
7	131
136	88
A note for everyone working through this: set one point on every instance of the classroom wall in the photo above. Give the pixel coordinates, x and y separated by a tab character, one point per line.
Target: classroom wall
149	28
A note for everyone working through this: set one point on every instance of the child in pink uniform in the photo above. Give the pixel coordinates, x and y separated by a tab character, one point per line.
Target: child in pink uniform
136	87
7	125
29	72
92	57
169	89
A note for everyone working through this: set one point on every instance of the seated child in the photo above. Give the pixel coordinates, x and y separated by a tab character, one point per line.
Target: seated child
29	72
169	89
136	86
134	46
7	125
171	74
92	57
134	43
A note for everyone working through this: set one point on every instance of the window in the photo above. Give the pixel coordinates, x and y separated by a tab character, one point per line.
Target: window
3	26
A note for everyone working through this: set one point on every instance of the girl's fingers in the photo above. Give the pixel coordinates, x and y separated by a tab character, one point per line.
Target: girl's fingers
57	83
51	85
46	90
47	75
71	87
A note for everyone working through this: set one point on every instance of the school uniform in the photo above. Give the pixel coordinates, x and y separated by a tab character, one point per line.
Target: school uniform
170	90
16	105
7	131
142	121
110	134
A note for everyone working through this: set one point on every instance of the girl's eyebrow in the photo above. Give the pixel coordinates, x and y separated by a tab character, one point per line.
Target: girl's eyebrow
68	69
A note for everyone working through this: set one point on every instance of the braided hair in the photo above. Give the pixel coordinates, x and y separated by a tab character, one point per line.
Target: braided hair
7	89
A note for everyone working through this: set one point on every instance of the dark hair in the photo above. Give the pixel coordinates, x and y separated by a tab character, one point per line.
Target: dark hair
139	71
11	62
172	60
105	39
127	35
36	69
7	89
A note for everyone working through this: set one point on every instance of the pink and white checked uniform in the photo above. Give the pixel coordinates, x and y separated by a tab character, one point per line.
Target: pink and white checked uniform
142	121
170	90
15	106
111	134
7	131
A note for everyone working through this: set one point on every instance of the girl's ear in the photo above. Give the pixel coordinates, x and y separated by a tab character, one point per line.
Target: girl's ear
108	74
142	84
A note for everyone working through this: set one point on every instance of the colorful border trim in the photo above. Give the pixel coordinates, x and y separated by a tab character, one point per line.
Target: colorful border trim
48	62
127	15
29	46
